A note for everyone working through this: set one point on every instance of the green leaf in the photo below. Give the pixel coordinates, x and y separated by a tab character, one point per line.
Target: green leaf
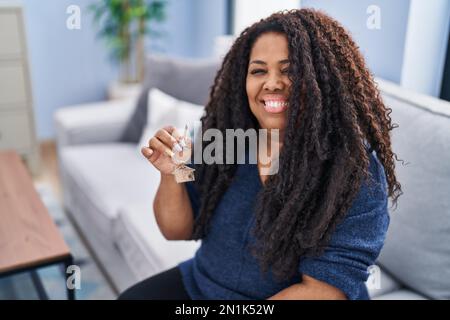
118	22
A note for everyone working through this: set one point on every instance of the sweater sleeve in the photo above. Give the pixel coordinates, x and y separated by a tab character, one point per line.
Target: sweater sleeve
357	240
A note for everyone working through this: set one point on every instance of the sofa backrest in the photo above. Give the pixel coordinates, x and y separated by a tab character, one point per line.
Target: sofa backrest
417	247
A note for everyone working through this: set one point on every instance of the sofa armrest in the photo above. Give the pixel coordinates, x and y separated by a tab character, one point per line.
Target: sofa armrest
98	122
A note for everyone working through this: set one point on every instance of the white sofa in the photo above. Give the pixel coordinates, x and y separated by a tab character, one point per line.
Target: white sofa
109	188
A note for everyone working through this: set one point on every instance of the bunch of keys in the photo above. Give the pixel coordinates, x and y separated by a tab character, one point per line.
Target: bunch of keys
182	172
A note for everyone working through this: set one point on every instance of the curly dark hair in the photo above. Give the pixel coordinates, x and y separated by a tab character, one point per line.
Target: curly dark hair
335	111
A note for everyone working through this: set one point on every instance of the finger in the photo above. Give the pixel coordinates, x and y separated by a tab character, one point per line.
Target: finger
170	129
149	154
157	145
146	152
173	132
168	139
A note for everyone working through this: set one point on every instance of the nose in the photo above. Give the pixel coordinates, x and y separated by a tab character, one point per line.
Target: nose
273	83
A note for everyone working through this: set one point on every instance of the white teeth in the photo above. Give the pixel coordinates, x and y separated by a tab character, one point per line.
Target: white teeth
275	104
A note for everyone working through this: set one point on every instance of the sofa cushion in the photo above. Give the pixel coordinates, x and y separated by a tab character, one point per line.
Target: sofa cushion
403	294
141	243
184	79
417	250
110	176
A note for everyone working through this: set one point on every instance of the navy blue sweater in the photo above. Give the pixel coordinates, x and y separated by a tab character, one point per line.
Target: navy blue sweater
223	268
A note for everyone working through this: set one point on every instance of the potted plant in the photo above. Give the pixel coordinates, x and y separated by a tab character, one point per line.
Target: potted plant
124	25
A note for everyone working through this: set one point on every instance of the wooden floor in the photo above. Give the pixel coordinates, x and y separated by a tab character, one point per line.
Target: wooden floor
49	171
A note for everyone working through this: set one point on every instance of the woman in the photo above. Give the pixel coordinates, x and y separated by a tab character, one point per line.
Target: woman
311	230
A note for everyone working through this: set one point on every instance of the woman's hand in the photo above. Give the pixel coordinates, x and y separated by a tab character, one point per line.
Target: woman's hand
171	206
159	151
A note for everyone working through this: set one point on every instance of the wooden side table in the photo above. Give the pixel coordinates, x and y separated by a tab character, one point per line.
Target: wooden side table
29	239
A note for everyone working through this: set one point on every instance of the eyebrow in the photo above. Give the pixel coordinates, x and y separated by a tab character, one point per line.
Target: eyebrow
262	62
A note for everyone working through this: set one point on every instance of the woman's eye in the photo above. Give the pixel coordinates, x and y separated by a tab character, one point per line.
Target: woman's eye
257	71
261	71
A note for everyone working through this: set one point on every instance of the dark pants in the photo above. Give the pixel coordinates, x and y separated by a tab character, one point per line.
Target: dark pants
166	285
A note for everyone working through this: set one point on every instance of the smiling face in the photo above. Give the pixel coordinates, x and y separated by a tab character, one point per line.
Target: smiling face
267	82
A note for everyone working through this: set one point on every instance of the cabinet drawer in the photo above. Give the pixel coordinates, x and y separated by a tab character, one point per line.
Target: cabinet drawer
14	131
12	84
10	33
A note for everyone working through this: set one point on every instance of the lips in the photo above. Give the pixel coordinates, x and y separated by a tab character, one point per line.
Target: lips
275	104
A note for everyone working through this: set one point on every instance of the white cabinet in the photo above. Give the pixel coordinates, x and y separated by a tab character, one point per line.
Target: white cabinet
17	129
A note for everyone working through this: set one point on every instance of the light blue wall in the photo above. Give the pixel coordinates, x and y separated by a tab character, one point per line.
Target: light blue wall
383	48
67	66
71	66
191	27
176	31
210	21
